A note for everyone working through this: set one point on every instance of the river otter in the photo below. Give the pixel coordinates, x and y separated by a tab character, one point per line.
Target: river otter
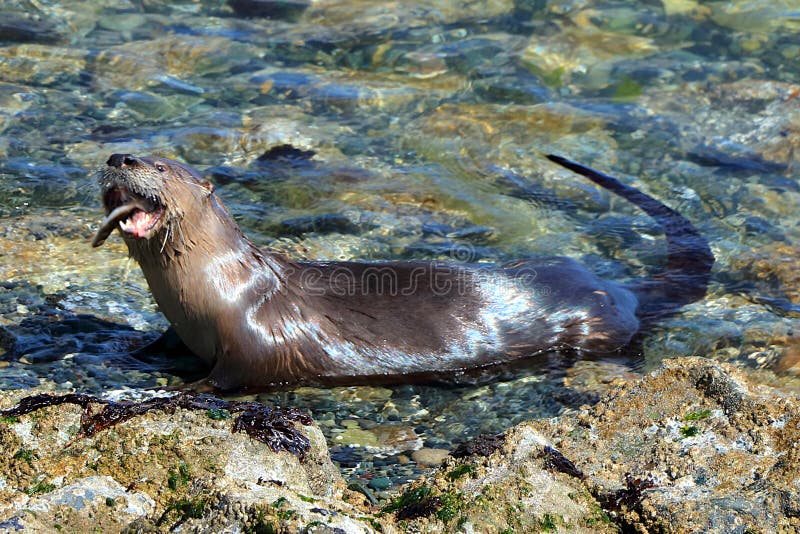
260	319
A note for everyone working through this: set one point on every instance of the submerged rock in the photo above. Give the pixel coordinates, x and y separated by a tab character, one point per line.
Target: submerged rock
23	28
271	9
772	269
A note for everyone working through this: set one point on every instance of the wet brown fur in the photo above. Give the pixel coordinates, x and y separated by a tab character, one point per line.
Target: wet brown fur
258	318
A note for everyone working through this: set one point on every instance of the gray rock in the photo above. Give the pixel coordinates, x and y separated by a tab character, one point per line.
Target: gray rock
94	492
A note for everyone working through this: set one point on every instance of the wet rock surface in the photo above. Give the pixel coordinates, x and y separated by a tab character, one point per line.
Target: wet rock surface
694	446
158	471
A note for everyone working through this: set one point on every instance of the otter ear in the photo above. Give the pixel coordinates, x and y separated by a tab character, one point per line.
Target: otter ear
208	186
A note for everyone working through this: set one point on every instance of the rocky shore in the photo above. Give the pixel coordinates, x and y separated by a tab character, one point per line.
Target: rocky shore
694	446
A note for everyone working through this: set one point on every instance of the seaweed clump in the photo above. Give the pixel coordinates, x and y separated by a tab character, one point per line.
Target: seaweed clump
554	460
629	497
483	445
270	425
421	502
414	503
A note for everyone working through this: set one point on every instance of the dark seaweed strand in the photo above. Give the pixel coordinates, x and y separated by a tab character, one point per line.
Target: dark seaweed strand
270	425
684	279
273	428
483	445
554	460
628	498
43	400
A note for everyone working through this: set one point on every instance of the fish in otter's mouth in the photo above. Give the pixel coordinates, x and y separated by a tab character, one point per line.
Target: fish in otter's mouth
135	214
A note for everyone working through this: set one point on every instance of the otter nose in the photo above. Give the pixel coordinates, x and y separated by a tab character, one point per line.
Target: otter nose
118	160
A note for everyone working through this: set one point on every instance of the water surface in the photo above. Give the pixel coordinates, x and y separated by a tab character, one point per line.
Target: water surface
420	130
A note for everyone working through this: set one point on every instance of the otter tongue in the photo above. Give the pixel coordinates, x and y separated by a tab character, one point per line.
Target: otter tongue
110	222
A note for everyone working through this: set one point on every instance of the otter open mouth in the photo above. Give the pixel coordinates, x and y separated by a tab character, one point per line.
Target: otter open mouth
133	214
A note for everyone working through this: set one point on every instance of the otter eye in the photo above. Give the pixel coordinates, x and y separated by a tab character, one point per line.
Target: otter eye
160	167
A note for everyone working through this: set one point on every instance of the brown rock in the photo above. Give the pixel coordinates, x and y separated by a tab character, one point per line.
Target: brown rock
430	457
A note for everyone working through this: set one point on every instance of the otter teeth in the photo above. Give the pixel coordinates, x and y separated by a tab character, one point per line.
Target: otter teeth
139	223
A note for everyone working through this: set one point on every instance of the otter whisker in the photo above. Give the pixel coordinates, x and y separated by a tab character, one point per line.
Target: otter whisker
182	236
193	228
193	184
166	236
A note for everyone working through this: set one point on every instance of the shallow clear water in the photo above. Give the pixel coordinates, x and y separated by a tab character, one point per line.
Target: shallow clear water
427	123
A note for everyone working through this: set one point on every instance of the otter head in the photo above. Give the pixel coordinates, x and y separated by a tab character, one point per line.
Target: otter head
145	197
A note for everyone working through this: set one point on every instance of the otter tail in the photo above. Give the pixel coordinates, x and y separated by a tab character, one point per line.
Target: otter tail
684	279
